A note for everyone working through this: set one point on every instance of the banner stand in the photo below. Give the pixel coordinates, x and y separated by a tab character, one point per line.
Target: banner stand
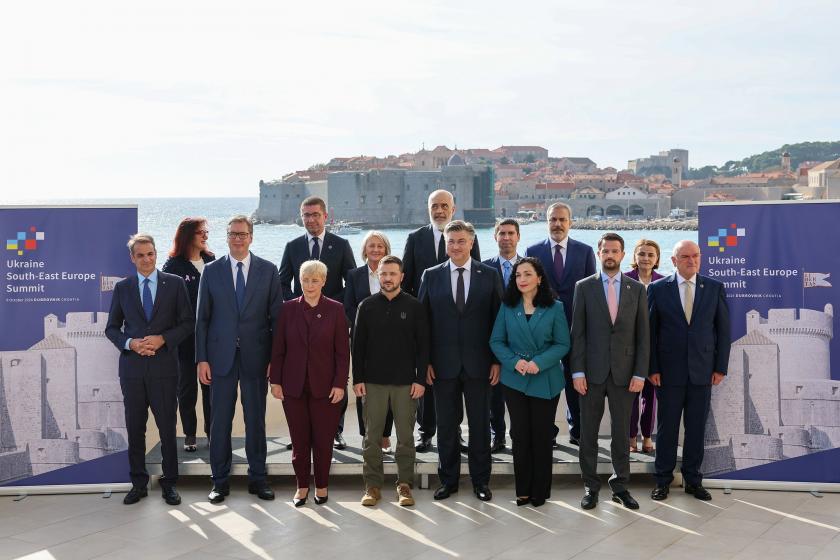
65	489
772	485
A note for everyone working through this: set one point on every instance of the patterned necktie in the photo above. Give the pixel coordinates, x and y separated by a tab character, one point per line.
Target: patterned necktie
240	286
441	251
316	249
612	301
558	264
688	305
148	304
506	272
460	294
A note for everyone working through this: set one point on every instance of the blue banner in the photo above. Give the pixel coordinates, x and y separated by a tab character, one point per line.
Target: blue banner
61	410
776	417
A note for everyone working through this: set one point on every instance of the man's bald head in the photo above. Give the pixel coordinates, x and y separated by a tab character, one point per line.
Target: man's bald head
441	208
686	258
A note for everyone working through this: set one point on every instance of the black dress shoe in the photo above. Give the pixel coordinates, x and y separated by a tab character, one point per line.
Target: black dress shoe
537	502
170	496
422	445
321	500
625	499
498	445
262	490
589	500
464	446
289	446
445	491
522	502
574	441
659	493
698	492
134	495
339	442
483	493
217	494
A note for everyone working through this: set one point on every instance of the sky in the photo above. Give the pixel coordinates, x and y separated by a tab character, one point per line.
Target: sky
105	99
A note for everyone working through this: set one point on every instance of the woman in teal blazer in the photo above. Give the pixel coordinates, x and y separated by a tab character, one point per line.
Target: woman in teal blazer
530	338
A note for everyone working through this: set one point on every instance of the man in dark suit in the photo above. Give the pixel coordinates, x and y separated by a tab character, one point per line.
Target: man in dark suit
238	304
150	315
689	352
462	297
506	235
332	250
566	261
610	358
424	248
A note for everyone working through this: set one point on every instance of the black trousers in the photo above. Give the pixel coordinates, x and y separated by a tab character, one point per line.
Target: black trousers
427	413
692	403
139	395
532	432
497	412
476	396
188	396
254	386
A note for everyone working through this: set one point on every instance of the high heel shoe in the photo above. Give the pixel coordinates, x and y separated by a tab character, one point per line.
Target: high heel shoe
320	500
298	502
522	501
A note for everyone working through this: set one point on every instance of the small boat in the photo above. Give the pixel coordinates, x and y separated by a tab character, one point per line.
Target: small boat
344	228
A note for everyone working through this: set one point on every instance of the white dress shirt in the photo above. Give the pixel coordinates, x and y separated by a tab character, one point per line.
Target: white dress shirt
246	265
311	243
454	276
681	282
373	281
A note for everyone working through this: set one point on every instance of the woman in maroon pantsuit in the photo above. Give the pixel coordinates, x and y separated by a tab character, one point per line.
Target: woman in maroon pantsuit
309	366
645	261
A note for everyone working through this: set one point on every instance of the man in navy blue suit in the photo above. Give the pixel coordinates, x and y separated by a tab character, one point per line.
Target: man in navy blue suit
462	297
425	247
238	304
334	251
689	352
506	234
150	315
565	261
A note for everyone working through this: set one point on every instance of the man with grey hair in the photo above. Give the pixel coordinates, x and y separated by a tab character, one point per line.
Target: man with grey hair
565	261
147	337
462	298
239	301
689	353
425	248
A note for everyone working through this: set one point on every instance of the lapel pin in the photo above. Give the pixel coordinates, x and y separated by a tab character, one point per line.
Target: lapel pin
329	246
318	315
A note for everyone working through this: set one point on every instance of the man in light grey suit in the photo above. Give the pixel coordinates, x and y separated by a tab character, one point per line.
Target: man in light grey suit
609	359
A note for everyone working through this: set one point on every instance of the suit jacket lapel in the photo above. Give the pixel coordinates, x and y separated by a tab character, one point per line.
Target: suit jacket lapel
624	300
134	294
251	283
227	280
675	295
596	285
162	290
699	291
299	320
476	277
538	315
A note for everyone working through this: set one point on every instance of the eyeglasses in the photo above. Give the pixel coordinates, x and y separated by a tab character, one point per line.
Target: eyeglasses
203	232
243	235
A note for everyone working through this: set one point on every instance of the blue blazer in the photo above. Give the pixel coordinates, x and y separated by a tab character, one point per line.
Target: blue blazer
580	263
544	339
686	353
496	263
420	253
219	324
356	289
171	318
460	341
336	254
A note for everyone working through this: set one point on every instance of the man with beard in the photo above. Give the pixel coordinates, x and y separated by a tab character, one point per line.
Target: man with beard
390	358
425	248
610	353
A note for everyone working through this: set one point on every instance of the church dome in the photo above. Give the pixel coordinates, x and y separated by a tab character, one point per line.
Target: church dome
456	159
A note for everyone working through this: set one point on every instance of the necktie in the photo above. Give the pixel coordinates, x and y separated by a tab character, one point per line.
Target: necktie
460	294
688	305
240	286
506	272
558	264
148	304
441	251
316	249
612	302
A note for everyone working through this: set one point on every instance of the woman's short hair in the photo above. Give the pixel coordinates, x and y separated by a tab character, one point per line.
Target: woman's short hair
544	296
313	268
641	242
374	234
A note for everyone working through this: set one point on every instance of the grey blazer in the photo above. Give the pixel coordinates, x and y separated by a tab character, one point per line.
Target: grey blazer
598	346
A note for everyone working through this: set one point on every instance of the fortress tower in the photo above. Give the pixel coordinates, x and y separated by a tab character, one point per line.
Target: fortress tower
676	172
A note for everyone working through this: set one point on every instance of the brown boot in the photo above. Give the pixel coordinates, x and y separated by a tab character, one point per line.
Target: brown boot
404	494
371	497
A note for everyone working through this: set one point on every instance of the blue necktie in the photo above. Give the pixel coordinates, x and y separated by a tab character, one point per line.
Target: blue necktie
148	304
316	250
506	272
240	286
